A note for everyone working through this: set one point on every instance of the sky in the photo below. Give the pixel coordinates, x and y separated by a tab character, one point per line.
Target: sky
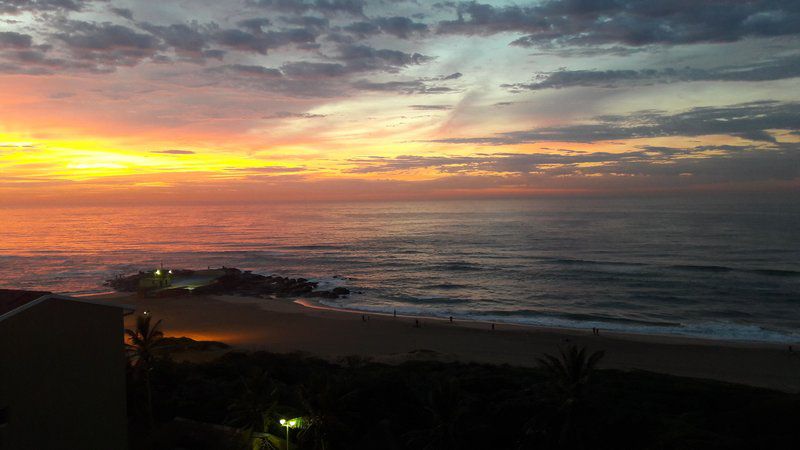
174	101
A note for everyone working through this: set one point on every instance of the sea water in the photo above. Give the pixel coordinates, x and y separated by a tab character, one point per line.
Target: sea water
714	267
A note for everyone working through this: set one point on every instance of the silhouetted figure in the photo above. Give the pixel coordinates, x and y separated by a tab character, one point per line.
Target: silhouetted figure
395	313
492	327
363	318
416	323
451	319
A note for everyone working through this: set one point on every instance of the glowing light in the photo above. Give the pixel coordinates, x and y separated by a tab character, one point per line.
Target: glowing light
291	423
288	424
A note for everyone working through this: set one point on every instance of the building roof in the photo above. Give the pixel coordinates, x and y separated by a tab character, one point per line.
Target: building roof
13	301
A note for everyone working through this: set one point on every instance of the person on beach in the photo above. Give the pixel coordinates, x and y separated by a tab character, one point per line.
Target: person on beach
416	323
451	319
492	327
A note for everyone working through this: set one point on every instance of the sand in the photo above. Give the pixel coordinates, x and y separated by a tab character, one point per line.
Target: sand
280	325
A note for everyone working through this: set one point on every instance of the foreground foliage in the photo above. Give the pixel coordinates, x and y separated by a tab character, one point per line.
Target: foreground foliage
142	344
417	405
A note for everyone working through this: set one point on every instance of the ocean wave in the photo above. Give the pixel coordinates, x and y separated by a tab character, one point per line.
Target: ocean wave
328	283
725	331
310	247
577	317
458	266
777	272
446	286
570	261
676	267
694	268
432	300
726	269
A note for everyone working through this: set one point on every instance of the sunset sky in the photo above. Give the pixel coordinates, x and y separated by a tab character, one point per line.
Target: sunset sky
259	100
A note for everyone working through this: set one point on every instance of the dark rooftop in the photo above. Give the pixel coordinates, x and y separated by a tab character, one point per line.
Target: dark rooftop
11	299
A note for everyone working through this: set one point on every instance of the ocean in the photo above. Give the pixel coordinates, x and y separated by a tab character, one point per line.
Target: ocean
712	267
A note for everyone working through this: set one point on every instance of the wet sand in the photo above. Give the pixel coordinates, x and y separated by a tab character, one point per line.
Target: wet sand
279	325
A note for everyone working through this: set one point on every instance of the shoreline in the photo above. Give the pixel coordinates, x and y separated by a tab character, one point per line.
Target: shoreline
638	336
731	333
286	326
313	303
316	304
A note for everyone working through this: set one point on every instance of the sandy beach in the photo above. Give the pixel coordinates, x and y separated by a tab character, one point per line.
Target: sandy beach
280	325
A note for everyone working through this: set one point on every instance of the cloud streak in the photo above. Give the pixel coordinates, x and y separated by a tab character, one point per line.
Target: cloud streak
174	152
749	120
627	22
673	166
783	68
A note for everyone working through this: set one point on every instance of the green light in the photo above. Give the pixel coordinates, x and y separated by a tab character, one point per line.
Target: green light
288	424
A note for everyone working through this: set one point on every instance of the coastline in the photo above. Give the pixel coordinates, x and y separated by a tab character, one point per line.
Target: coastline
283	326
630	335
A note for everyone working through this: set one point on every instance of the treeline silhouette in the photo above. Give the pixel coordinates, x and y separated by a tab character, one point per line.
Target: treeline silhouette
236	401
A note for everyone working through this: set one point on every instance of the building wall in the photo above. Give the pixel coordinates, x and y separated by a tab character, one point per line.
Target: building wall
62	377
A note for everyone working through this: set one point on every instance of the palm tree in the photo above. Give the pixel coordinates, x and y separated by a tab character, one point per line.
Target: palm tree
325	401
570	372
444	407
568	375
255	408
143	340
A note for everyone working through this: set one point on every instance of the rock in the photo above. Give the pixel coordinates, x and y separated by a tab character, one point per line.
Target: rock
323	294
230	281
341	291
177	292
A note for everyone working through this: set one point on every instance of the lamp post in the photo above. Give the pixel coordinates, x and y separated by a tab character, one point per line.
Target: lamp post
288	424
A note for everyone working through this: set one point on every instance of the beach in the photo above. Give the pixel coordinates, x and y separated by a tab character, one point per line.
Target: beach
283	325
644	266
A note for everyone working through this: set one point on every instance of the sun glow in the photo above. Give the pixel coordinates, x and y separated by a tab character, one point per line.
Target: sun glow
120	108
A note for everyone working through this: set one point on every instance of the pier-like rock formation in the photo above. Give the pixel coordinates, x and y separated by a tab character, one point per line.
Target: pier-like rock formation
225	281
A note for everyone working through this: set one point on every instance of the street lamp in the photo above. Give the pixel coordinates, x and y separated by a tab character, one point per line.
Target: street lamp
288	424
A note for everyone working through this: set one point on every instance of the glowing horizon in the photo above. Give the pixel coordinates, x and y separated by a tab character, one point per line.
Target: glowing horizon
107	102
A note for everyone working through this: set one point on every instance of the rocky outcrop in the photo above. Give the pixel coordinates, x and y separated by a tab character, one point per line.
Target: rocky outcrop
225	281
